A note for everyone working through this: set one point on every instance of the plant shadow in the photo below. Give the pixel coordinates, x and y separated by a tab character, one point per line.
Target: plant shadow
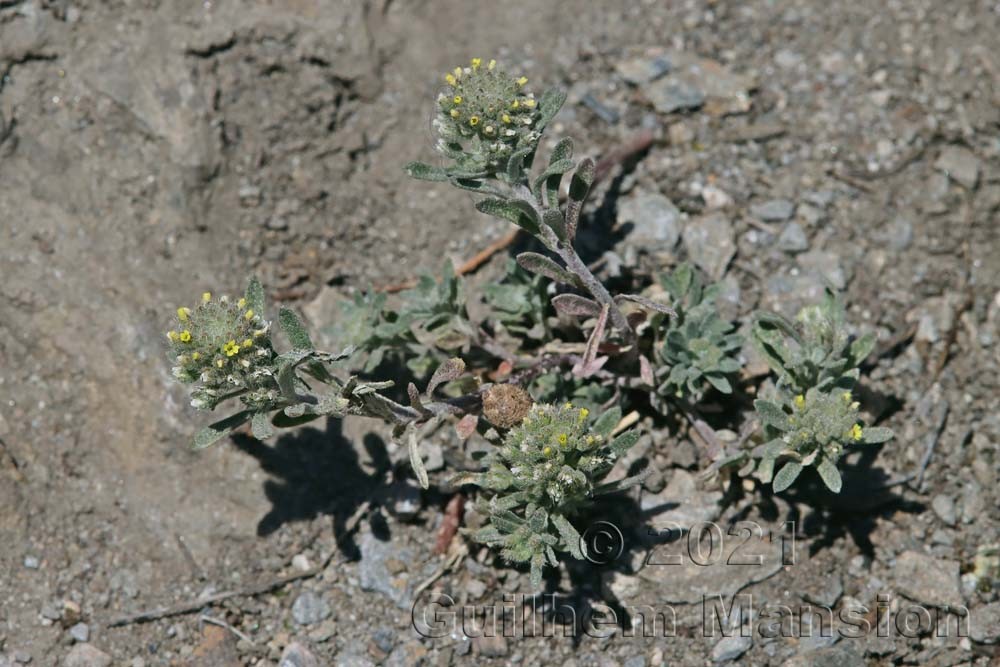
870	493
317	472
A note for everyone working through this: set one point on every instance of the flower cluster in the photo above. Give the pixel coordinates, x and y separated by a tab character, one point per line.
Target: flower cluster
811	415
812	429
224	347
549	468
484	114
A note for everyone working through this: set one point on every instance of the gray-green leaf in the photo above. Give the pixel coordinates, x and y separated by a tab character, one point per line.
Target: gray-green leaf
220	429
786	476
294	329
828	472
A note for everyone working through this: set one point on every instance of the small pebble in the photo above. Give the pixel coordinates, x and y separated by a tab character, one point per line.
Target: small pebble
776	210
309	608
80	632
31	562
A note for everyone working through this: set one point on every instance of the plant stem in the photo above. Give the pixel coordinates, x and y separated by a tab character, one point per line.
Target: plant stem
567	253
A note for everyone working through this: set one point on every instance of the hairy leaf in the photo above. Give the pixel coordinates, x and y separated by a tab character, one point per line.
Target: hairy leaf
786	476
220	429
426	172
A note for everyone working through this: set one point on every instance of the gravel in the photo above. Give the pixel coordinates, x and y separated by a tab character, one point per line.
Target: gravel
710	243
309	608
730	648
928	580
654	218
775	210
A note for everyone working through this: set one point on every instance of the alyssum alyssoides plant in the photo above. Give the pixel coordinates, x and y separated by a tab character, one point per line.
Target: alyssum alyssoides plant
548	470
223	350
810	417
551	325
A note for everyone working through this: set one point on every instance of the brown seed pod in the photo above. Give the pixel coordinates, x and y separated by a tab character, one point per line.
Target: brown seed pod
505	405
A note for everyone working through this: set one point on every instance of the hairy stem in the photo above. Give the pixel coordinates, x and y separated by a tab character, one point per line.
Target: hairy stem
568	254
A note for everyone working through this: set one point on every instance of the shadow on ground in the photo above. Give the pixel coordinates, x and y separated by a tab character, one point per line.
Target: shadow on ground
316	472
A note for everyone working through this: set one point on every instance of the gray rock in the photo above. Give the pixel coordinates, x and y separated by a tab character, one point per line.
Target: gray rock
825	265
793	238
406	499
960	164
385	639
297	655
928	580
80	632
309	608
944	507
730	648
682	502
787	293
635	661
354	655
655	219
249	196
710	243
899	234
491	647
842	655
672	94
31	562
643	69
984	624
435	456
86	655
375	573
776	210
973	503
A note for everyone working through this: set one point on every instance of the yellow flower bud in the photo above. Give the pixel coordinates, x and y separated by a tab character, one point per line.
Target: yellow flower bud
182	313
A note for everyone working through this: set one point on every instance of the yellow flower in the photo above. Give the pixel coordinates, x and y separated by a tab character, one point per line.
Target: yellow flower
172	335
185	336
258	333
856	432
206	297
474	121
515	104
231	348
568	406
458	72
220	363
241	303
800	401
523	80
562	439
492	64
846	396
547	451
476	62
450	78
249	314
195	356
505	118
584	413
182	313
454	113
457	99
248	343
530	103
